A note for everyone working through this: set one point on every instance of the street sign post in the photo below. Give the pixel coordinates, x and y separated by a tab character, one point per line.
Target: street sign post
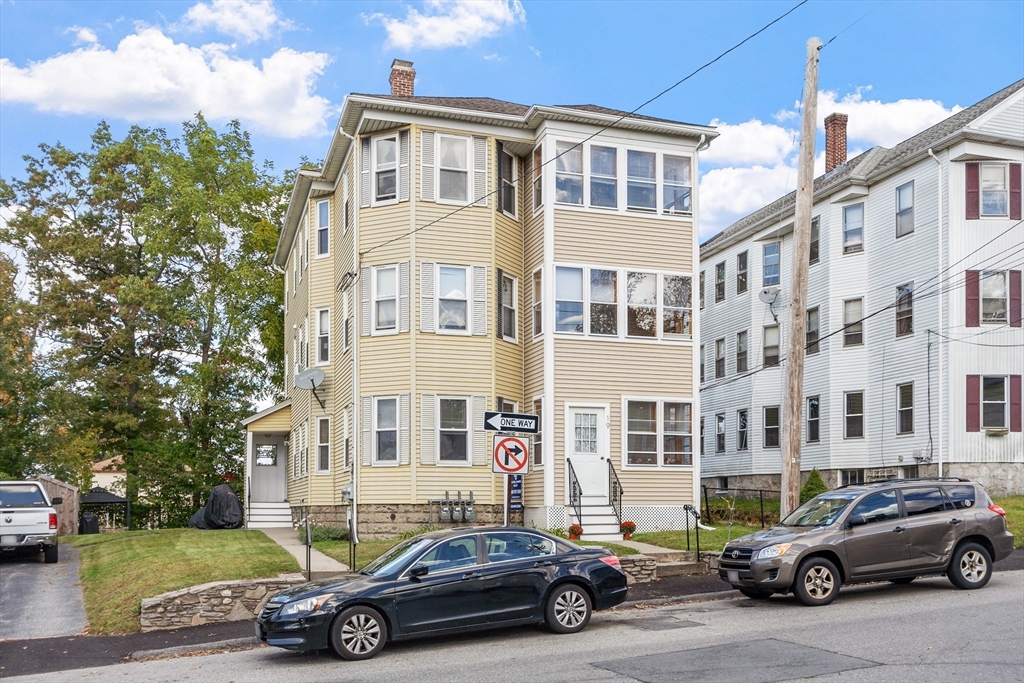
510	422
511	455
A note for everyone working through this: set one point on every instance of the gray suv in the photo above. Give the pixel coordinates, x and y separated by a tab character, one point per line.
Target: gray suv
894	530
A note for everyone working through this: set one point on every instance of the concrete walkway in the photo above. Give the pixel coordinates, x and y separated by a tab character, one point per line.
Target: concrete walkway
322	566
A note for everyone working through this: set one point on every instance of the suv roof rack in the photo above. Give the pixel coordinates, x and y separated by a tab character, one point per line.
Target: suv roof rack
881	482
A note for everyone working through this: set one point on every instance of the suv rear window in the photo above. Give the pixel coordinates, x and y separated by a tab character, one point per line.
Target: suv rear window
20	495
962	496
923	501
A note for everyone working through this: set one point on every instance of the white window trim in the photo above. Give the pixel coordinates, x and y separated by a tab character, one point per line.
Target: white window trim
326	227
535	302
537	179
469	300
1006	402
660	426
1005	190
863	229
764	427
344	203
344	321
764	279
913	202
589	175
330	455
982	276
375	461
470	193
859	320
863	416
720	430
571	145
913	406
514	182
321	333
469	432
534	445
808	419
374	332
373	169
745	431
514	337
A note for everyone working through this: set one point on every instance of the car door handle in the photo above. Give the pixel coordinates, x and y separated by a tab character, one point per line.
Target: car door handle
898	530
472	575
955	521
543	563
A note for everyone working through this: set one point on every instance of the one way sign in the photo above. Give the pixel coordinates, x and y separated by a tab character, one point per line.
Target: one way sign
509	422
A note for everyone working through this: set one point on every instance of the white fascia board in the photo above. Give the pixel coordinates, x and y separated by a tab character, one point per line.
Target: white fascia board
296	204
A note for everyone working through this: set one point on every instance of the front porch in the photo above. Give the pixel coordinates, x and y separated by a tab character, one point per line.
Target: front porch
266	468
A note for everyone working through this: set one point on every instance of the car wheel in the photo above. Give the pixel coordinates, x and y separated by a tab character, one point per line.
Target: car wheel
755	594
50	554
971	567
568	609
358	633
902	582
817	582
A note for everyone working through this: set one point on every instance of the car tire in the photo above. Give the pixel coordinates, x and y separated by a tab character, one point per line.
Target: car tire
568	609
359	632
902	582
50	554
755	594
817	582
971	567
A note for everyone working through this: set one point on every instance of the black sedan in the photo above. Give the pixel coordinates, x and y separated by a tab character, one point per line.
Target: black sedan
446	582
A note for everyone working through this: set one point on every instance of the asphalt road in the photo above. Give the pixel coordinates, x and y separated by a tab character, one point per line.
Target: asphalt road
39	600
926	631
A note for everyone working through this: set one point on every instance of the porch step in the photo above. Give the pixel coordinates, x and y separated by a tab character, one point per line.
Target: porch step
269	516
609	538
681	569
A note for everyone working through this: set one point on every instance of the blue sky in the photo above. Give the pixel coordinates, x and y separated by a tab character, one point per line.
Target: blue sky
283	69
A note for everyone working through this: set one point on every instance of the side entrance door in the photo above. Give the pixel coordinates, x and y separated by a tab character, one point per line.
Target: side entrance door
586	445
268	471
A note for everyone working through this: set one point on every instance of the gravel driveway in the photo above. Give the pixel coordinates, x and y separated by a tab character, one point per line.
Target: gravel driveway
39	600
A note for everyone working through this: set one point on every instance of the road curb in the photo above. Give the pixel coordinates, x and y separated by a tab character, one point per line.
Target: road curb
232	644
676	599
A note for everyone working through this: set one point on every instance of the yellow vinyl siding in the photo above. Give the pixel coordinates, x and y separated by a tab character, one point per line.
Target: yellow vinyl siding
432	482
342	251
623	239
533	349
280	421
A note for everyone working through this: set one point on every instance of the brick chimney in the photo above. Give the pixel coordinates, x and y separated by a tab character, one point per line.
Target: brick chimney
403	77
835	140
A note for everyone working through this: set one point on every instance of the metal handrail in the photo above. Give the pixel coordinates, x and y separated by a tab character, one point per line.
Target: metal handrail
575	493
615	491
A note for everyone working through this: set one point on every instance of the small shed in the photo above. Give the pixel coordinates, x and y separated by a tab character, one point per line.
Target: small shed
67	511
101	498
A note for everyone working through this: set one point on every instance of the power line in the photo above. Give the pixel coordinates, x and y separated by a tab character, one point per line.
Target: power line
970	343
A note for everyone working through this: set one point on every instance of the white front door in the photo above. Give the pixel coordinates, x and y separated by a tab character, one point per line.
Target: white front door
586	443
268	470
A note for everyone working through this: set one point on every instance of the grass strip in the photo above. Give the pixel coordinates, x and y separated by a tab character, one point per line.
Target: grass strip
1014	507
709	540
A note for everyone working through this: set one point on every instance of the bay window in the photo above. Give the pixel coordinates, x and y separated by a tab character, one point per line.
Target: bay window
603	184
568	173
453	168
641	180
676	184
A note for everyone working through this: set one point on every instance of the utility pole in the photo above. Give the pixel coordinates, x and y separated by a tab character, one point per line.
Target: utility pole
793	406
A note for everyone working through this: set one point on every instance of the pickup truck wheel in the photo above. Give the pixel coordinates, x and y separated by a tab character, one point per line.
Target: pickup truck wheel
50	554
971	567
817	582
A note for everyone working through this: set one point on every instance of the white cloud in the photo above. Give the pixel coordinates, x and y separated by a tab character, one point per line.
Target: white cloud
247	20
752	142
728	194
449	23
150	77
83	35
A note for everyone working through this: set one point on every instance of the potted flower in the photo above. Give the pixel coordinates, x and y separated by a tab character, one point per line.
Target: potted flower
627	529
575	531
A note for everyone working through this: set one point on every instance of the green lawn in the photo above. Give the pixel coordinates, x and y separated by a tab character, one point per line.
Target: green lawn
1014	506
709	540
619	550
119	569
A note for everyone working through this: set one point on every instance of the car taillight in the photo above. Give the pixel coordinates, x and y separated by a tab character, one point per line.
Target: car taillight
998	510
612	561
53	520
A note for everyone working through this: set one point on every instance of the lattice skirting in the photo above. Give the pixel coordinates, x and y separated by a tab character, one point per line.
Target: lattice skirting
646	517
553	517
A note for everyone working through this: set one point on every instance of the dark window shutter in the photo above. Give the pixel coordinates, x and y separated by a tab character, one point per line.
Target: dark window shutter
973	195
499	318
972	285
501	195
1015	304
1015	192
498	402
974	403
1015	415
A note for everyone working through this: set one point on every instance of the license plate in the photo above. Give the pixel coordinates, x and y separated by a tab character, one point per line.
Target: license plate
734	576
8	540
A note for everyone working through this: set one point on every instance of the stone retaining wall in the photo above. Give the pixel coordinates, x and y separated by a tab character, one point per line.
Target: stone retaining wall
209	603
639	568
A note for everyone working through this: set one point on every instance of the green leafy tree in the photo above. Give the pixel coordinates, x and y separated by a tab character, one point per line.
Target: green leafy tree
813	486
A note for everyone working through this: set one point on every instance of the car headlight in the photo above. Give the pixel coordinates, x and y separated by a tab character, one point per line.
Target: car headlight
305	605
773	551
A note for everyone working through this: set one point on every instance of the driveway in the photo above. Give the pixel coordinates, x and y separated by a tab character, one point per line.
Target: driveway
39	600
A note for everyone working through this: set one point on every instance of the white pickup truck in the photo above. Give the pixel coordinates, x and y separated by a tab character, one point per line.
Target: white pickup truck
27	518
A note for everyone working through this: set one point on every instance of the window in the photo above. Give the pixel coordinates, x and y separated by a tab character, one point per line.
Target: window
305	243
811	344
458	553
347	450
719	358
771	426
720	282
771	346
346	332
266	455
385	168
878	507
568	299
385	426
641	304
453	299
538	450
504	406
993	296
848	477
344	203
385	298
603	164
853	324
993	190
741	351
905	209
538	184
453	432
504	546
923	501
771	264
654	435
854	422
323	444
701	294
604	307
702	435
993	402
323	336
323	228
676	184
853	229
741	430
905	310
813	419
962	497
741	272
905	408
640	180
509	304
676	306
453	168
815	245
507	182
568	173
538	318
720	433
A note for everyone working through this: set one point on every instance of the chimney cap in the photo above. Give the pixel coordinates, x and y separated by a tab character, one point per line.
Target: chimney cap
401	64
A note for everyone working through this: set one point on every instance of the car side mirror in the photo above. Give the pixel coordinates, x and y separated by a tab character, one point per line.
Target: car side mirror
56	501
856	520
419	570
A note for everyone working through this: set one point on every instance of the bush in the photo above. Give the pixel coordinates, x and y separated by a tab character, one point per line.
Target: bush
813	486
320	532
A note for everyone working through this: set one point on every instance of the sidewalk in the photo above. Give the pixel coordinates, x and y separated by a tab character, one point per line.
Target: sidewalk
322	566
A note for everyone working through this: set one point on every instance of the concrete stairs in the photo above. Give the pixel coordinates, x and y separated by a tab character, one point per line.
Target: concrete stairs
671	562
269	516
599	523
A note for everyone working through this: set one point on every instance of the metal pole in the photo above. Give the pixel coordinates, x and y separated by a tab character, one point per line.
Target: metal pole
760	493
309	542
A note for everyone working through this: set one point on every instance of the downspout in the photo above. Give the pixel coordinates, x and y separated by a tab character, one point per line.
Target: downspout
941	302
357	405
702	144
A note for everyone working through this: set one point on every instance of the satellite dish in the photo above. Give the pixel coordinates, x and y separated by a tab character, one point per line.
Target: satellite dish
767	295
309	379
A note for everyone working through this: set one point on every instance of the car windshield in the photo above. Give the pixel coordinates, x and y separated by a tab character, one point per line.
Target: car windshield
19	495
395	557
821	510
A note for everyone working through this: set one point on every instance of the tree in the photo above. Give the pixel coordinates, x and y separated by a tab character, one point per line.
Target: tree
813	486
